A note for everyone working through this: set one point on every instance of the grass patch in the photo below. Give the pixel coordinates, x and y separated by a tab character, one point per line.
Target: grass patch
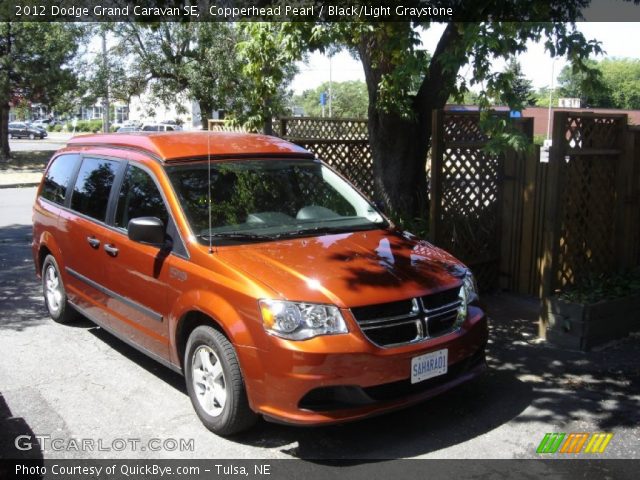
33	160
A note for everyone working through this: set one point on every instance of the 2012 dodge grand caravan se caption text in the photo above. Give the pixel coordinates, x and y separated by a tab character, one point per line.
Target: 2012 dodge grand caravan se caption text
255	270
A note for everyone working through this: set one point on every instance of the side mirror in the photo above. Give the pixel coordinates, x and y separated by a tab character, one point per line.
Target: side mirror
148	230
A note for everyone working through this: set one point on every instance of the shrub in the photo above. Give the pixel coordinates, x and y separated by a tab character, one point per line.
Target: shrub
596	288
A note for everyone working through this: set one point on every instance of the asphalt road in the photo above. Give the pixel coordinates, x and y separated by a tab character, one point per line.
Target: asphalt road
78	382
52	142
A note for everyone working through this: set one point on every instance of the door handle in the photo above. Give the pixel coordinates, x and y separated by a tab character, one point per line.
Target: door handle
111	250
93	241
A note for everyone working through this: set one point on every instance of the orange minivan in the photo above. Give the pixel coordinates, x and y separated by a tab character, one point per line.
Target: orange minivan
256	271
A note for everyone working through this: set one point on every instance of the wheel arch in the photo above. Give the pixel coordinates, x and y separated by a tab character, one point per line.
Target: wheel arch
198	308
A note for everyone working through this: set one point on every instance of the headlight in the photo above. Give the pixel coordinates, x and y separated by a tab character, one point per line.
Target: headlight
300	321
468	294
470	287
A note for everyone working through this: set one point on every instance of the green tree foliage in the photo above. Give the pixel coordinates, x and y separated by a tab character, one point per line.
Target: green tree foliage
196	59
521	90
544	96
350	99
268	54
617	84
35	63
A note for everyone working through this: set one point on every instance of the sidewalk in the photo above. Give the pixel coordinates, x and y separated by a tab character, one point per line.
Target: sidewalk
20	178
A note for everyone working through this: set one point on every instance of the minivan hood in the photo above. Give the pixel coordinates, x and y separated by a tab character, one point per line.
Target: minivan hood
348	270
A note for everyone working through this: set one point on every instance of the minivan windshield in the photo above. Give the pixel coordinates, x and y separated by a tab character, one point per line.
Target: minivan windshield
258	200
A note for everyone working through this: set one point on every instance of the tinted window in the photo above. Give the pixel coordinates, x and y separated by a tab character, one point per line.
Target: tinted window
139	197
58	177
91	192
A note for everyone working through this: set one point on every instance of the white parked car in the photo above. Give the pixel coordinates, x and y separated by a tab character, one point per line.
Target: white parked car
160	127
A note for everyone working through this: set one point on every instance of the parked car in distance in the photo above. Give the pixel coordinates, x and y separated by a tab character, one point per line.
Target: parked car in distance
37	126
128	128
44	124
23	130
160	127
256	271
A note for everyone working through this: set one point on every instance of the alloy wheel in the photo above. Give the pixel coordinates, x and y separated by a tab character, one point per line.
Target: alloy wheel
208	380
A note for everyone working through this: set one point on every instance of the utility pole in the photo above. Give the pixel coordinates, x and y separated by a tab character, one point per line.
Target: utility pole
330	85
105	100
553	64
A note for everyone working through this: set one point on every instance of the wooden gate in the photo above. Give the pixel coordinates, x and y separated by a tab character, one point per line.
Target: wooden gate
591	174
466	194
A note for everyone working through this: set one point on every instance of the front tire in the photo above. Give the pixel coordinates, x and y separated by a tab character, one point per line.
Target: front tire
215	384
55	295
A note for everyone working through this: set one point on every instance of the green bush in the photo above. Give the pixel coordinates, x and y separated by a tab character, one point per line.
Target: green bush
56	128
88	126
596	288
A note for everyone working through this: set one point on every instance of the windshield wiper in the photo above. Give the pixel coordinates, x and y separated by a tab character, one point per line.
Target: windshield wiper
328	230
235	236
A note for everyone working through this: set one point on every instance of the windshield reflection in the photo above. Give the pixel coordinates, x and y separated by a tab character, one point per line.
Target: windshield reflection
259	200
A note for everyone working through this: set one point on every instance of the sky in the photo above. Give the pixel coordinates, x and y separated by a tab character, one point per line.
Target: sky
618	40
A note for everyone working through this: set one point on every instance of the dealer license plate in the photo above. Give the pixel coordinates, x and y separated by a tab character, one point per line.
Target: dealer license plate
429	365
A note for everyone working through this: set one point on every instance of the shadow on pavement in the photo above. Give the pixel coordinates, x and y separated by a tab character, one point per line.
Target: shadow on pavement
568	386
21	303
11	428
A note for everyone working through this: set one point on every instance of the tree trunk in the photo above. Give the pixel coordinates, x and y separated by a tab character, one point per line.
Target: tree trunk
5	151
400	145
5	95
267	126
399	149
206	107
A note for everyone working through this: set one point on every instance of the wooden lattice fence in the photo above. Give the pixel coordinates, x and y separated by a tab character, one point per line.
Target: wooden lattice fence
466	194
342	143
589	175
521	224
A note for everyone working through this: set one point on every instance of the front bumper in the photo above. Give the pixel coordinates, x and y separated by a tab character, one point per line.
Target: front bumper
341	378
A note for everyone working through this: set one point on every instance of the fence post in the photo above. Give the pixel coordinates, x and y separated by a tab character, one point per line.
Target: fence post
552	215
283	127
437	155
626	228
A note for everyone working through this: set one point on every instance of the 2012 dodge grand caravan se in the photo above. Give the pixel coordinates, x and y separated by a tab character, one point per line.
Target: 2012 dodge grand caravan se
255	270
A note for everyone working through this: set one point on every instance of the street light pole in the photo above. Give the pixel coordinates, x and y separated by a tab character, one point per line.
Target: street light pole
330	85
553	64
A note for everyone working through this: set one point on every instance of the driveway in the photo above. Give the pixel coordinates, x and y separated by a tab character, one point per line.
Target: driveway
79	382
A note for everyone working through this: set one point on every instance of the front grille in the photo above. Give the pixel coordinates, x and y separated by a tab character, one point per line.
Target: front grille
411	320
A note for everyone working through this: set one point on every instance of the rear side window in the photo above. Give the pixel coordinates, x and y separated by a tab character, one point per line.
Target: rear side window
92	188
57	178
139	197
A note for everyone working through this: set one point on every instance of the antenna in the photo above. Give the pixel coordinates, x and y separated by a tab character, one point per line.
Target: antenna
209	188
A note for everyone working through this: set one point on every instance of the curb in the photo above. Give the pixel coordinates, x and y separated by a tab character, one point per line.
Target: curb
20	185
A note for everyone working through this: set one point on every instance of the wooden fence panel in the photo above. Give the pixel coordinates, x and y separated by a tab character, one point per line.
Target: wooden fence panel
521	224
466	194
342	143
584	198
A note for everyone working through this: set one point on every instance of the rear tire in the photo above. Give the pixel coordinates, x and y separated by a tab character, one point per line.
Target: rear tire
55	295
215	383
